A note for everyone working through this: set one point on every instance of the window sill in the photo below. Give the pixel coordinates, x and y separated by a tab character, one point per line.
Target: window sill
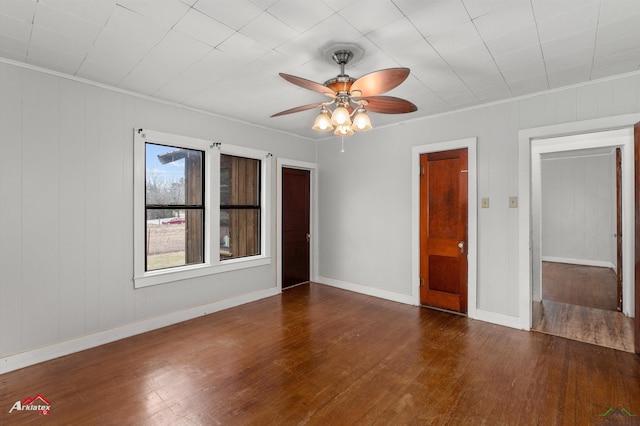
194	271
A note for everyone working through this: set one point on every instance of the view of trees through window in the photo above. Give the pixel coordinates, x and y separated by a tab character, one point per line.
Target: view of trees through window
174	206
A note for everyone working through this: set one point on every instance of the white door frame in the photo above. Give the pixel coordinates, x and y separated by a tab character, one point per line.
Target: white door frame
313	214
534	141
472	216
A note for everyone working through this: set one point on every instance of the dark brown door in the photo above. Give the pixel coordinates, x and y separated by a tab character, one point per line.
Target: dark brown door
619	226
443	230
295	226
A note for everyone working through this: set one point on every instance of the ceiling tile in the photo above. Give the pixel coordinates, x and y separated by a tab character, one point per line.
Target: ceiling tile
204	28
513	40
579	41
403	43
234	13
569	76
518	58
68	25
268	30
612	11
16	48
526	72
61	61
439	16
300	15
456	39
23	10
507	20
15	28
477	8
164	13
334	30
134	28
94	11
545	9
622	45
529	85
476	71
105	71
368	15
48	39
614	32
569	60
578	21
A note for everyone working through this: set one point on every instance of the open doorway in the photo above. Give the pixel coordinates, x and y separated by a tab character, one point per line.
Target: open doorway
577	223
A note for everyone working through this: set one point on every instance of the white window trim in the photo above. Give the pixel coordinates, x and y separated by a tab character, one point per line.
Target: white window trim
212	263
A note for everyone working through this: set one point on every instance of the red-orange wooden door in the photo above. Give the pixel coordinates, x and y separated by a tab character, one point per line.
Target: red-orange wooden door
443	230
295	226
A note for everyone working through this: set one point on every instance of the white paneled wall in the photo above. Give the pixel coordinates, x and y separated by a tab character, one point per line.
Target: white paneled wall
365	193
578	210
66	197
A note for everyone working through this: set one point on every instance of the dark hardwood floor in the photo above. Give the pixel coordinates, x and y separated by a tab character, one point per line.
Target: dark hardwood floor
579	302
320	355
591	286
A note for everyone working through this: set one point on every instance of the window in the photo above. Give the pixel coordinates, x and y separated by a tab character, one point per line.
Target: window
190	193
174	195
239	206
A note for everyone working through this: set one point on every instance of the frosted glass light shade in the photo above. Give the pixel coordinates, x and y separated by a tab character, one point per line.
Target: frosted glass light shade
323	122
361	122
341	117
343	131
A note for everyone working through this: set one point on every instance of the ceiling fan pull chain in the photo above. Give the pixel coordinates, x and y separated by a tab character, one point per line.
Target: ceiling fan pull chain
342	150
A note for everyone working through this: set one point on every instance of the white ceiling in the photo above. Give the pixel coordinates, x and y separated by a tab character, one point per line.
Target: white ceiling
224	56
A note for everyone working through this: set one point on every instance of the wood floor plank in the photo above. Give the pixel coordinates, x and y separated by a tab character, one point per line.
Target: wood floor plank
319	355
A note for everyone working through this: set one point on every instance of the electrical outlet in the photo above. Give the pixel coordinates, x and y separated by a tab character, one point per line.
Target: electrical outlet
513	202
484	203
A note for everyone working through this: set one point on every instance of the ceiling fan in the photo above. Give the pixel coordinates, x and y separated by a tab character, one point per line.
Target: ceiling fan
351	98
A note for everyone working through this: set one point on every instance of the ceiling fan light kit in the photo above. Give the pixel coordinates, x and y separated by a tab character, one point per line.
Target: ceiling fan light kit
346	112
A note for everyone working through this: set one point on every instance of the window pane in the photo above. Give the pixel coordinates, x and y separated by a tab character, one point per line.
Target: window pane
239	181
239	233
174	241
173	175
239	207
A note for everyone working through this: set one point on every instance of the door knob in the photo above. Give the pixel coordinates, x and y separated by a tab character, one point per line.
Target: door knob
461	246
308	237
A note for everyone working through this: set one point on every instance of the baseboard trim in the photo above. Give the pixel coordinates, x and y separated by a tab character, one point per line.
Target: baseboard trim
585	262
369	291
500	319
67	347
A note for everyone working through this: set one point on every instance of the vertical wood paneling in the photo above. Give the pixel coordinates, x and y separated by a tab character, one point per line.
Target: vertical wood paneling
567	105
91	212
11	207
587	102
110	220
625	95
605	98
40	209
577	208
72	214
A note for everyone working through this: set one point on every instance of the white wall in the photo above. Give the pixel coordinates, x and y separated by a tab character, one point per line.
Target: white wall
66	197
578	209
365	193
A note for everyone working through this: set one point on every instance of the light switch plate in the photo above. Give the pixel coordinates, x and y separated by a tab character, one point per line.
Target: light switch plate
513	202
484	203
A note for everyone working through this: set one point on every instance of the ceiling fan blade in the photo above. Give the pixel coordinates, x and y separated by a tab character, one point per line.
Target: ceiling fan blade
306	84
389	105
298	109
381	81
